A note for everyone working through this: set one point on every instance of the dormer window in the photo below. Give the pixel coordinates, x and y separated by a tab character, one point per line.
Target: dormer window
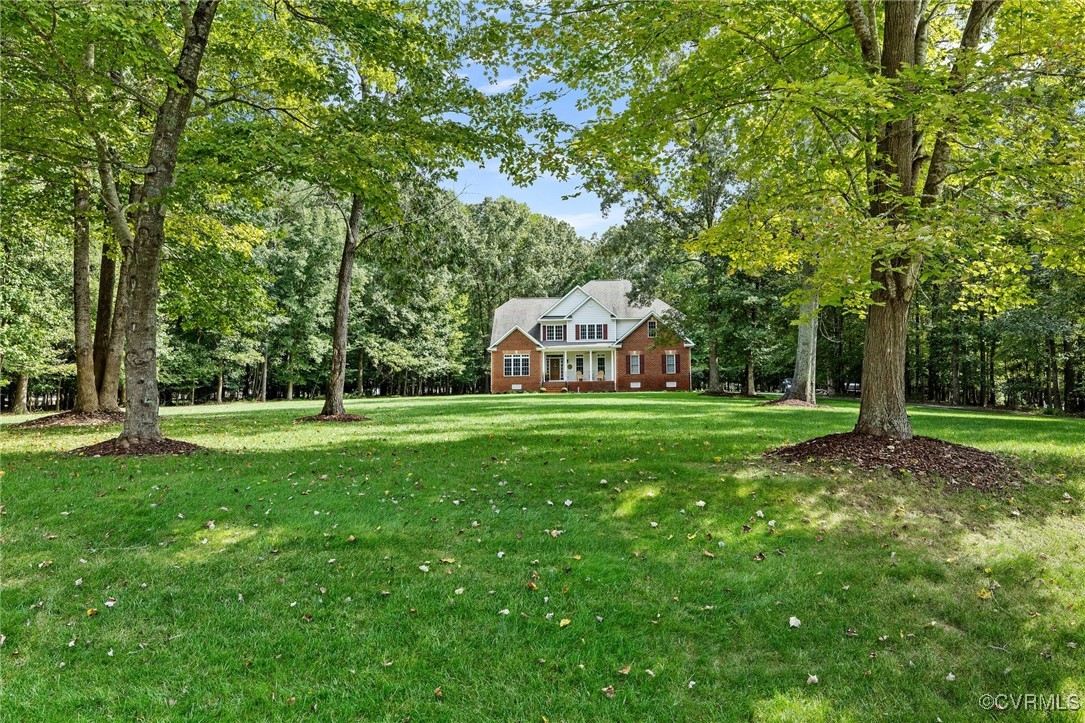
553	332
651	328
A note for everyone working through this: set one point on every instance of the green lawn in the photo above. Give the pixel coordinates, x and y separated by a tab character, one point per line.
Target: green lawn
273	613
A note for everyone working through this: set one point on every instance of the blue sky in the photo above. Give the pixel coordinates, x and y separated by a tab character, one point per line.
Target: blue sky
544	196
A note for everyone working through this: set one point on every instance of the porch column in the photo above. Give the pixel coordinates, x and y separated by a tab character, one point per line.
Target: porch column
590	371
564	366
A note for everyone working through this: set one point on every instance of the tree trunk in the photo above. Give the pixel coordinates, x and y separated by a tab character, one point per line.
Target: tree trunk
141	363
86	393
333	395
218	394
1069	391
1053	373
955	362
748	386
713	366
804	382
107	279
289	376
882	411
713	320
263	379
109	383
19	403
361	378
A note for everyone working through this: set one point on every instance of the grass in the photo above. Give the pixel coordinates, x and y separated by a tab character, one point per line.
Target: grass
275	614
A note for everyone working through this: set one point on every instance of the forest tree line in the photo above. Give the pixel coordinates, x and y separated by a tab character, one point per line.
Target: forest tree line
215	201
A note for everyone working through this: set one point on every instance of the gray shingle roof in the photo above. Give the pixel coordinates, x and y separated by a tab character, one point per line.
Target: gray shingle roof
615	296
525	312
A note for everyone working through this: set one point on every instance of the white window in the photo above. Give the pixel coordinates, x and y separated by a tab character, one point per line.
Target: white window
553	332
634	364
651	328
517	365
591	332
672	363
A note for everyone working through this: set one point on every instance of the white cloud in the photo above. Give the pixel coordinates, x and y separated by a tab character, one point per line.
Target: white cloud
499	86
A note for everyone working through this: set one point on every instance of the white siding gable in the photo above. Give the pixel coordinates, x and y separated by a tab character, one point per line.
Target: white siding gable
593	313
574	299
625	326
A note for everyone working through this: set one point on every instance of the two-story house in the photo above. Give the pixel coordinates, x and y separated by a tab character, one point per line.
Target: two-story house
591	339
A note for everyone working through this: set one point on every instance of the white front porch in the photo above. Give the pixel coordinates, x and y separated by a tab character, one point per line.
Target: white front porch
579	365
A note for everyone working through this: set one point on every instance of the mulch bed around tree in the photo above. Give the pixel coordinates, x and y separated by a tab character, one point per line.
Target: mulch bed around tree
72	419
789	403
118	448
333	418
958	466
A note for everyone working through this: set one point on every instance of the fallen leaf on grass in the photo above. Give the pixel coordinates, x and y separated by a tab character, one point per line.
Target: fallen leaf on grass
565	622
812	680
759	556
794	622
91	612
609	691
625	670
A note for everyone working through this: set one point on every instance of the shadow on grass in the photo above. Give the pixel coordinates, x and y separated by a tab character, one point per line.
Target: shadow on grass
222	622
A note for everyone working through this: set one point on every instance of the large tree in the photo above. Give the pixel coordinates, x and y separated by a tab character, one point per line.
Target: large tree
904	112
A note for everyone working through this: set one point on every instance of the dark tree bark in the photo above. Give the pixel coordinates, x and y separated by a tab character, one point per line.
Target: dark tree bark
1069	375
1055	395
107	279
20	403
86	393
361	369
955	362
218	394
141	363
804	381
333	395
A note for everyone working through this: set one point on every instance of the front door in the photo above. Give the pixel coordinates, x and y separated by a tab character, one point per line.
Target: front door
553	368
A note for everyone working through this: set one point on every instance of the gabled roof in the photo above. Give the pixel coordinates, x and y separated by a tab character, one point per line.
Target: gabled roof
612	295
649	315
521	312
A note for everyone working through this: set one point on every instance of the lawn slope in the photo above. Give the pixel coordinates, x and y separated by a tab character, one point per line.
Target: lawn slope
424	565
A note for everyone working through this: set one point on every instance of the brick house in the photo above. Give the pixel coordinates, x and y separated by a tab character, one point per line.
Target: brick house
591	339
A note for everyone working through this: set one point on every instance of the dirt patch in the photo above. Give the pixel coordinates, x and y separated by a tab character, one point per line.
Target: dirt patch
121	448
333	418
960	467
789	403
72	419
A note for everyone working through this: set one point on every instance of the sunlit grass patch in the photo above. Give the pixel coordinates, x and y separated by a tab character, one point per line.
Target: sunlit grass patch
309	588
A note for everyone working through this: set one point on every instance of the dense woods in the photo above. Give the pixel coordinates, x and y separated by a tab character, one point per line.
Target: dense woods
208	202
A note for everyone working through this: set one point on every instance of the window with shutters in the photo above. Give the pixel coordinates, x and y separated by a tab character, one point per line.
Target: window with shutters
634	364
651	328
553	332
517	365
672	363
591	332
